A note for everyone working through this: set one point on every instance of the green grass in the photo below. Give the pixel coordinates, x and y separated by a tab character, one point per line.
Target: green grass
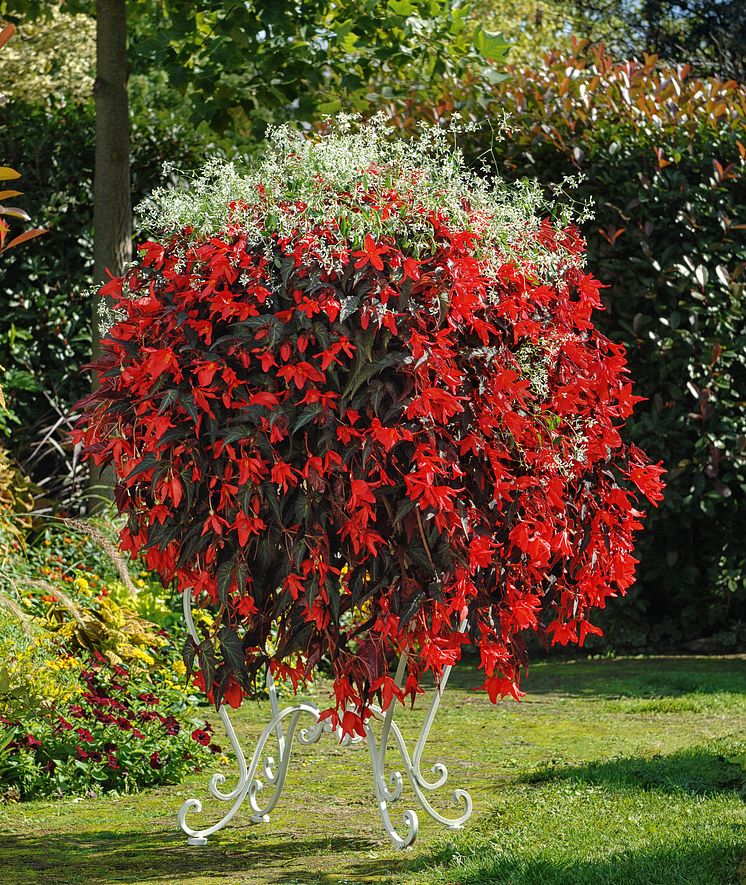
609	772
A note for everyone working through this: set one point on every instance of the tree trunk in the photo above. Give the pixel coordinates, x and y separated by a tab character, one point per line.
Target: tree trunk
112	204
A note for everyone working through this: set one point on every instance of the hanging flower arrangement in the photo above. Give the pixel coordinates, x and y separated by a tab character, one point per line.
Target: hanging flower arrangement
357	405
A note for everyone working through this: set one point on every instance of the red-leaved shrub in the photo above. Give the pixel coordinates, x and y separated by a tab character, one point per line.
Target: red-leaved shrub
363	406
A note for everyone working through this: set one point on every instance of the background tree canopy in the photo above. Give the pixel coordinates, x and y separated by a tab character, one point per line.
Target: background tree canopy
709	35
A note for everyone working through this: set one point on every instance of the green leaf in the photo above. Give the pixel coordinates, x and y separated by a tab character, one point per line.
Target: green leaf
491	44
149	461
405	505
273	500
225	576
240	431
411	607
192	542
349	306
332	589
233	570
306	415
188	653
492	76
330	107
403	7
296	641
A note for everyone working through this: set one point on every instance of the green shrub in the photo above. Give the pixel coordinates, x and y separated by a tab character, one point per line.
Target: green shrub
116	728
32	677
45	323
93	696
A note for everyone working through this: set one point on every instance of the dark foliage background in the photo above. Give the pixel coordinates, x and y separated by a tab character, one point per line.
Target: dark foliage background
45	320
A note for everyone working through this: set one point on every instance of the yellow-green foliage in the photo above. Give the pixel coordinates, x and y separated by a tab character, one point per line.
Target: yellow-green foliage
72	582
35	672
536	27
51	61
531	26
16	494
112	630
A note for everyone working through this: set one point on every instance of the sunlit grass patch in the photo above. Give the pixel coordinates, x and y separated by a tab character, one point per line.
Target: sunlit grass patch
572	832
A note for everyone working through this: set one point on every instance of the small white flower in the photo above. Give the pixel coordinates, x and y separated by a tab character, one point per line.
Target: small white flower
308	179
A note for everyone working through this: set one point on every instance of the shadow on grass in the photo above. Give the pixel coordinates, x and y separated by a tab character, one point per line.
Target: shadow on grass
104	857
696	771
715	864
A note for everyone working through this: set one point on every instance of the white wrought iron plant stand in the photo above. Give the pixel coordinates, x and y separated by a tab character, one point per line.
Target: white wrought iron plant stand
284	726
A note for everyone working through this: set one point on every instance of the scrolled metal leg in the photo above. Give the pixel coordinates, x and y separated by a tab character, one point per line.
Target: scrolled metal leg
248	786
386	797
412	767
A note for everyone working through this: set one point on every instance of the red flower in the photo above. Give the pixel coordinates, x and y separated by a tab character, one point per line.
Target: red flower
214	524
171	725
233	695
370	253
647	478
247	526
206	373
283	475
160	361
201	736
501	686
246	606
389	691
361	493
411	269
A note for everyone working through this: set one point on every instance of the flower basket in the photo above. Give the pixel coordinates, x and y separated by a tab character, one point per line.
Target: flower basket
358	408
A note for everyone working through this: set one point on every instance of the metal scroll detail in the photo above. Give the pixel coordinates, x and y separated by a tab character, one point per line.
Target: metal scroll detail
285	727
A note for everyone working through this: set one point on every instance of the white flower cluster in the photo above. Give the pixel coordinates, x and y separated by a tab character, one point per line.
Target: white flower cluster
534	361
335	177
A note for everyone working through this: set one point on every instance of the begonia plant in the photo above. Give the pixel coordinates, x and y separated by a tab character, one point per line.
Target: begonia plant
357	405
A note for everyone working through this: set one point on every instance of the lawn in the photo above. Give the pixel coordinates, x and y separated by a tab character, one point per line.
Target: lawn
618	771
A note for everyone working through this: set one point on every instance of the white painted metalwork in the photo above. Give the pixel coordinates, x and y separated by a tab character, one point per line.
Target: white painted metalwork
284	726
